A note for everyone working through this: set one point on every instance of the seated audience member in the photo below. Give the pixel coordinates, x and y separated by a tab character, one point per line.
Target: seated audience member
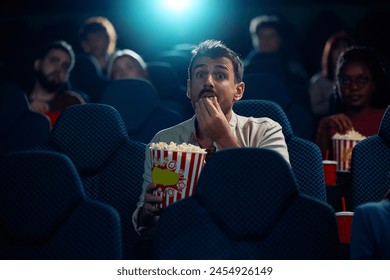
321	84
126	64
98	38
370	236
214	84
269	41
274	53
49	95
362	95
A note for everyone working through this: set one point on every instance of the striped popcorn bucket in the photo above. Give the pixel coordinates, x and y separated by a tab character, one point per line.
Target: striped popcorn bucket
342	153
175	173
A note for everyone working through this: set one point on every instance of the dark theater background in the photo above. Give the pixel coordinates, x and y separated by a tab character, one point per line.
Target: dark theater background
148	26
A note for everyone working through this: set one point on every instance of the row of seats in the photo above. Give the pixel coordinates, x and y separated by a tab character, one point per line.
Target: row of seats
20	128
110	166
254	210
370	171
87	78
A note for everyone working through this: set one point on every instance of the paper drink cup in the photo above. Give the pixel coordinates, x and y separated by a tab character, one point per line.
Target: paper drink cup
330	167
344	223
342	153
175	173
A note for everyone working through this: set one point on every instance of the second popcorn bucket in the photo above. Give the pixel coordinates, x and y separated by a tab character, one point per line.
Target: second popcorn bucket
342	148
175	170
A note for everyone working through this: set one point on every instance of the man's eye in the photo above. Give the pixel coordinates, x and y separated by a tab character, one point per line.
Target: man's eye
220	76
199	75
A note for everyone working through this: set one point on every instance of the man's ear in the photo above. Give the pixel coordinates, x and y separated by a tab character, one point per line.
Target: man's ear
240	87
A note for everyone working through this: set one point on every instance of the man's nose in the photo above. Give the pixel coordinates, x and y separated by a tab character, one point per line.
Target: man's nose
209	81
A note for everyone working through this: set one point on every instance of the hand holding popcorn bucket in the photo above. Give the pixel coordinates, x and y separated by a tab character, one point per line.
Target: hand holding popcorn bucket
175	170
342	148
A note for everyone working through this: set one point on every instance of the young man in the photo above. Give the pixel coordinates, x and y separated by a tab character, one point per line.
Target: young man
214	84
49	95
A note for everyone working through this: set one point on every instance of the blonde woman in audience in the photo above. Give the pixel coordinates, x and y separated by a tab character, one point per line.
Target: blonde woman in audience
126	64
98	38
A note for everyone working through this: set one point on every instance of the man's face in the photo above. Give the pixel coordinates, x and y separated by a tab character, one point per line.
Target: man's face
96	44
53	70
269	39
214	77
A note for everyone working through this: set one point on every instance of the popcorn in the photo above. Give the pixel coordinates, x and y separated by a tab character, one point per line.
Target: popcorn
184	147
342	148
350	135
175	170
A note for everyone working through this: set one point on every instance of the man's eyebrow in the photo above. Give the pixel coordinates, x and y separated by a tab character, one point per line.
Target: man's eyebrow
220	66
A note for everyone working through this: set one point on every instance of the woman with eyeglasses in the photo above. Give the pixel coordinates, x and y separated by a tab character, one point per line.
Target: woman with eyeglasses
362	93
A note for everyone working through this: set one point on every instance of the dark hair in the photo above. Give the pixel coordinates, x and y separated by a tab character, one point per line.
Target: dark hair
62	45
370	59
265	21
216	49
100	25
336	40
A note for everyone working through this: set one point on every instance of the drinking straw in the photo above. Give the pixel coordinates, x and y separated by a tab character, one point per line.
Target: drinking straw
344	208
327	155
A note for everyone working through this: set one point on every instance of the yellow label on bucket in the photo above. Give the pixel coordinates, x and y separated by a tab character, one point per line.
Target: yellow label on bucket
164	176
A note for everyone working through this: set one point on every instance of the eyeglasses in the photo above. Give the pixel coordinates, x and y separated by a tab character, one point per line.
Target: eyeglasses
361	81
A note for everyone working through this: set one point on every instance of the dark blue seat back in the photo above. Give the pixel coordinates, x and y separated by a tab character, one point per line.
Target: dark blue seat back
109	163
250	210
87	77
45	213
172	94
140	108
370	168
305	156
20	128
267	86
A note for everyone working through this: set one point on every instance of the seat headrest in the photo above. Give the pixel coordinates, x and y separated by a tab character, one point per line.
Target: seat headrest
245	190
265	108
135	100
384	129
267	86
39	190
13	104
89	134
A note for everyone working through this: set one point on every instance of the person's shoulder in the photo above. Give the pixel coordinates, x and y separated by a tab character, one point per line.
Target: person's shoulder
262	121
180	130
317	78
373	208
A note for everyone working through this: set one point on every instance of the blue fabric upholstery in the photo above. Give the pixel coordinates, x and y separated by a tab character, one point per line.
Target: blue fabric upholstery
139	106
267	86
109	163
45	213
305	156
172	94
247	206
87	77
20	128
370	168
